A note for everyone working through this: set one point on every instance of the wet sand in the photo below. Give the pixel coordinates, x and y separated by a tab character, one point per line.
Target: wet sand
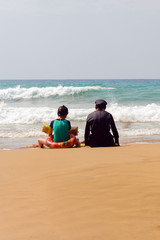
80	194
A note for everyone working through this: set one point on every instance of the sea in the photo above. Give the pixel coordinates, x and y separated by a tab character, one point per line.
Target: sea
26	104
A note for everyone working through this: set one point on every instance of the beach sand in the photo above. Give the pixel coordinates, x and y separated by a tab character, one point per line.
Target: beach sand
80	194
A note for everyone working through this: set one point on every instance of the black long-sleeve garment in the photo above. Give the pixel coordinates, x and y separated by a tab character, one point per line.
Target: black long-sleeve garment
97	131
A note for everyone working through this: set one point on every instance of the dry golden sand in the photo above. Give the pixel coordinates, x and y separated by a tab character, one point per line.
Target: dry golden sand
80	194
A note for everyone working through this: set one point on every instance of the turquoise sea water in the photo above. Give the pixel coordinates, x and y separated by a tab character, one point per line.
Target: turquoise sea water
26	104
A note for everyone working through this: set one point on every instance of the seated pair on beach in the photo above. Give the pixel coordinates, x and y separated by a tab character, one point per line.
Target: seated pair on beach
97	130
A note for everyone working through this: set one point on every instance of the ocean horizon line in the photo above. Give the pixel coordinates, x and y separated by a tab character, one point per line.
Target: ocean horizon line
69	79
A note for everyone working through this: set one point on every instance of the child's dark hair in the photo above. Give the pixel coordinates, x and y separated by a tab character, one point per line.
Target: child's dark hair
62	111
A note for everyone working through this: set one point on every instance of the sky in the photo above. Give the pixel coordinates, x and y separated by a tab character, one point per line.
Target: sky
79	39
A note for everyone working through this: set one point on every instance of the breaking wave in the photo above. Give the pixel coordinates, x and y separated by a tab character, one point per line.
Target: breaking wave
33	115
18	92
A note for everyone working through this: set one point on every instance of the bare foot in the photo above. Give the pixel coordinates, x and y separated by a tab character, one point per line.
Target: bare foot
35	145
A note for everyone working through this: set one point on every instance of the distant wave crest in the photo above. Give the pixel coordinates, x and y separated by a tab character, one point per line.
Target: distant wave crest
45	92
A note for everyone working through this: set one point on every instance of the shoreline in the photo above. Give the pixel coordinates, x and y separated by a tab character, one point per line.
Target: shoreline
83	146
81	193
12	144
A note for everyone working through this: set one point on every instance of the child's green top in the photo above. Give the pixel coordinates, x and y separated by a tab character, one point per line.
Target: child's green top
60	128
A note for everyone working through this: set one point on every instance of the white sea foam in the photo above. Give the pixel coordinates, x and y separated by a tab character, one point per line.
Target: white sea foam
136	121
33	115
36	132
140	113
139	132
37	115
22	134
45	92
2	104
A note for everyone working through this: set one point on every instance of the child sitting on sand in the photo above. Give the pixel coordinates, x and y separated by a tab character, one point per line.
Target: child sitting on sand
60	127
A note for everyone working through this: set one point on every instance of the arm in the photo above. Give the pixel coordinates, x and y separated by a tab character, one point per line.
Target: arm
87	131
114	130
69	124
51	125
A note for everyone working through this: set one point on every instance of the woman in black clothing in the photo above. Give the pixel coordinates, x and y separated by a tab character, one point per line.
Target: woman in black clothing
98	126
